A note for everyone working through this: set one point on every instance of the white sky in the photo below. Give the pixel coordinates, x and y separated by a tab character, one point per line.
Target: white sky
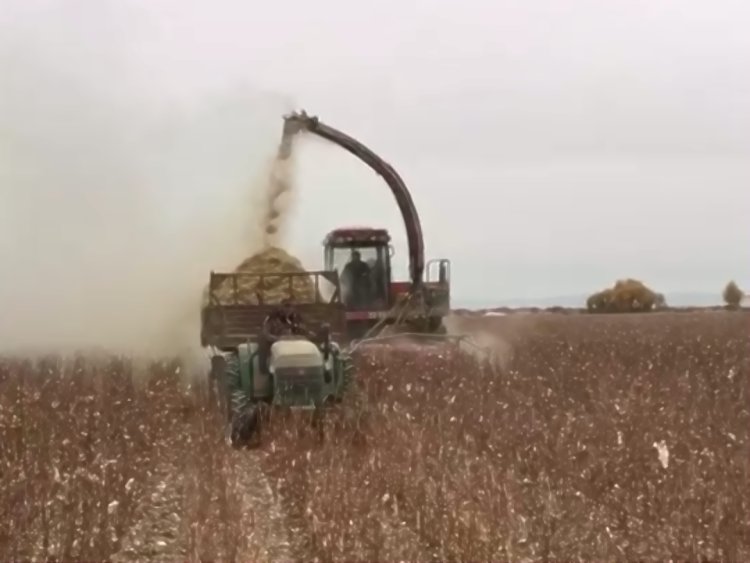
551	147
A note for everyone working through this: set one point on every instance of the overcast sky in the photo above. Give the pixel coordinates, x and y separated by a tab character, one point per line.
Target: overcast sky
551	147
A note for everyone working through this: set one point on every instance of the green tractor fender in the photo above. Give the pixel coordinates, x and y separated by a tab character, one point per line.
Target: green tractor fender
246	354
239	373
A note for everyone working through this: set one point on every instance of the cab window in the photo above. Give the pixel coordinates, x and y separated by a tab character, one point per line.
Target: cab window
362	270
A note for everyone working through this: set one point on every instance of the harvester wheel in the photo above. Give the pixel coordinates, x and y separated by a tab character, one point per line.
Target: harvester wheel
426	325
435	326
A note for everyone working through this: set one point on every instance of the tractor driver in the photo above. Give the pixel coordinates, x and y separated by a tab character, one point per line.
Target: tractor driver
356	275
283	320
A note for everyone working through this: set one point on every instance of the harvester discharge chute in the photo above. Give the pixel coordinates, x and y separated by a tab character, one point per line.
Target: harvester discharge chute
255	370
362	255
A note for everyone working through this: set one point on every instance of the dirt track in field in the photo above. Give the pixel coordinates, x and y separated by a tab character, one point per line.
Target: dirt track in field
573	436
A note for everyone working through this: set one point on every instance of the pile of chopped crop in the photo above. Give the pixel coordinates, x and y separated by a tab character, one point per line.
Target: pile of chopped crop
265	286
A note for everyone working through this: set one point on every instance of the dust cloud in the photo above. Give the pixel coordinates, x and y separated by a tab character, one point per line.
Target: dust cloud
490	339
115	209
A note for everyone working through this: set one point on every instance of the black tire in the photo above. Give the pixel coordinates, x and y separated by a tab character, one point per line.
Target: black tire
427	325
358	329
246	427
435	326
217	387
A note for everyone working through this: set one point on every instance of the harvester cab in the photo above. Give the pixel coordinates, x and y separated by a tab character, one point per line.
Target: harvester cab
373	298
362	258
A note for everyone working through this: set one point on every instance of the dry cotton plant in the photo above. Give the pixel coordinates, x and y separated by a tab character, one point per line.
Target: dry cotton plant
606	438
94	451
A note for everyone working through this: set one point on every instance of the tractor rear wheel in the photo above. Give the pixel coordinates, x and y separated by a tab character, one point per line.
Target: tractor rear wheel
246	428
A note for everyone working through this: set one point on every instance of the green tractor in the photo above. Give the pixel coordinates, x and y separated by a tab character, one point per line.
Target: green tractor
253	376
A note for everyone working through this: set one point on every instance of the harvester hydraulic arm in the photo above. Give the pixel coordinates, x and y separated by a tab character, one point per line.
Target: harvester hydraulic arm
296	122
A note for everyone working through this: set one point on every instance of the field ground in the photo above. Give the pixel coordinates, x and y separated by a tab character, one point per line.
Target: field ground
540	437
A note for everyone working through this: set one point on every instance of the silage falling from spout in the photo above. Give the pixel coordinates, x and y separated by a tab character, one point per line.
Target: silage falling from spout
280	189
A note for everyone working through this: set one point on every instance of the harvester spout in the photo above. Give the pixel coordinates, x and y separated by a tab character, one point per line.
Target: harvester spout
300	121
294	123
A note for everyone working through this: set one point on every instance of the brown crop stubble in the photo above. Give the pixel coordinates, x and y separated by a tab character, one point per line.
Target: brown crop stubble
552	459
82	440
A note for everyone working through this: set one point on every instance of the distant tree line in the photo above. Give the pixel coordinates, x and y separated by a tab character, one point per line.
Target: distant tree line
633	296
